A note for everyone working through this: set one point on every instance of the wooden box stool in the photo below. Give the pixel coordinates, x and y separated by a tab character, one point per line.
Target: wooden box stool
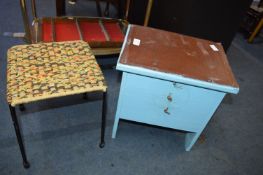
172	80
47	70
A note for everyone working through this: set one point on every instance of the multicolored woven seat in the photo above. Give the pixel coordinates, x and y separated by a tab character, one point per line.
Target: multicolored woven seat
48	70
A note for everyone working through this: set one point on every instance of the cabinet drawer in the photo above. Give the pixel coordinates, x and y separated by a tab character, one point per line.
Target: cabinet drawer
164	103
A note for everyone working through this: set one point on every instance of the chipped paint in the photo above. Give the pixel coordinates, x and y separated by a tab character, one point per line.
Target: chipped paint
202	48
183	40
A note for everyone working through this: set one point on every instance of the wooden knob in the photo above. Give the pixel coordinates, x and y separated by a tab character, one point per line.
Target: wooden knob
166	111
169	98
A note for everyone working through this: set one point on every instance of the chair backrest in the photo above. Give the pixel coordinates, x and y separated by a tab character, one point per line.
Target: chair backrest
25	20
148	11
27	24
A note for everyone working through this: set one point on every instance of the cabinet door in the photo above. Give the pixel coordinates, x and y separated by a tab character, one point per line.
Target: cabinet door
164	103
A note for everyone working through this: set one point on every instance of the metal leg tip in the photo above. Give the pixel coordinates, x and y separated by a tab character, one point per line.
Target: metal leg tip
26	165
102	144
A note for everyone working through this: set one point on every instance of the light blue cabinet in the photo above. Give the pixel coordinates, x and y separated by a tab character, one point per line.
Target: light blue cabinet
165	99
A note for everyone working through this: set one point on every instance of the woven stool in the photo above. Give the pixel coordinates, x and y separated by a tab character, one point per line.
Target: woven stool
48	70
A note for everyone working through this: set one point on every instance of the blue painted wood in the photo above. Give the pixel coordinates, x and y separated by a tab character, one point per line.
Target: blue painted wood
148	99
145	99
176	78
168	76
119	108
167	100
191	138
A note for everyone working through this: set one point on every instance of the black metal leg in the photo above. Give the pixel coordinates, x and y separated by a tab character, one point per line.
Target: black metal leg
85	96
61	7
98	8
107	9
18	136
22	107
103	119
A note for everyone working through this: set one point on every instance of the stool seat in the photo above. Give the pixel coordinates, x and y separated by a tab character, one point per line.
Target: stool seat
47	70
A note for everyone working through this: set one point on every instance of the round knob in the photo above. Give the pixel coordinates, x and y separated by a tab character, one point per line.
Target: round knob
169	98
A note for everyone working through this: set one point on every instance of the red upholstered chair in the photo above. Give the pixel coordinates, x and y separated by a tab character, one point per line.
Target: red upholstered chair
104	35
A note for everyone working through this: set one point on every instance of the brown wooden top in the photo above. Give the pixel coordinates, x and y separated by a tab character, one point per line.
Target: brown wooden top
177	54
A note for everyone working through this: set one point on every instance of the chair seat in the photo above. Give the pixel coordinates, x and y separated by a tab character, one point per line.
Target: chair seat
47	70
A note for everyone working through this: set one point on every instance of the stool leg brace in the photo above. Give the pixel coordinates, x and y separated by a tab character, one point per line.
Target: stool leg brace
19	136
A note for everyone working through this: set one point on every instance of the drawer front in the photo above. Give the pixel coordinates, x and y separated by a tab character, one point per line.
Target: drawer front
165	103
